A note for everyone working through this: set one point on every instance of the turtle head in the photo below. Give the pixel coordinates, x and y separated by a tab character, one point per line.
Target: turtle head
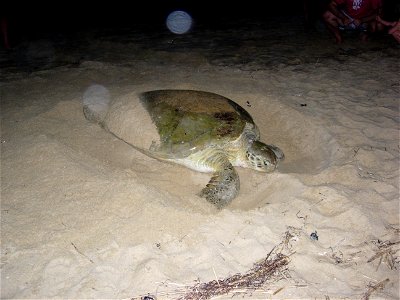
262	157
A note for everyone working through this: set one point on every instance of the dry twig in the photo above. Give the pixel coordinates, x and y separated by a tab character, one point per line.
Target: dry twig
272	268
250	281
385	253
373	288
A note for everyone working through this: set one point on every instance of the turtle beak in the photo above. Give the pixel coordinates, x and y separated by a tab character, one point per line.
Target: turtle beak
261	157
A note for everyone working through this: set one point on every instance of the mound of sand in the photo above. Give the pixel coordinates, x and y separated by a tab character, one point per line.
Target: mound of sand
86	216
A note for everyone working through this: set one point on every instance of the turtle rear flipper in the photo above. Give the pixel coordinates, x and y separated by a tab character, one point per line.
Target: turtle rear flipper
224	185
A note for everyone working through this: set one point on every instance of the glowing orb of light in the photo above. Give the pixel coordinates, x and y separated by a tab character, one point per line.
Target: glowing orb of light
179	22
97	99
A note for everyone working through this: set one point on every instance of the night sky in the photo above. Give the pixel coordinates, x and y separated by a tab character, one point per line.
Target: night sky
35	19
70	16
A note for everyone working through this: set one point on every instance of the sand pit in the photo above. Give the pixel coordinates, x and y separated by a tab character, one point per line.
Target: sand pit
86	216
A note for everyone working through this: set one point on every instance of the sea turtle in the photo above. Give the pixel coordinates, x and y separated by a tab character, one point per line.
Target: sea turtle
201	130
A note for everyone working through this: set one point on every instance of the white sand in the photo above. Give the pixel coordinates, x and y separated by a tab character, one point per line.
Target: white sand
83	215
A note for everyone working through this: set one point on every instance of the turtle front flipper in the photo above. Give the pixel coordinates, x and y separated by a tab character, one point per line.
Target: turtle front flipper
224	185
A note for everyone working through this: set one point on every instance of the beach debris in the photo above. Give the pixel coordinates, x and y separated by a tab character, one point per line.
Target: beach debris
278	290
268	269
314	236
339	258
271	269
375	287
386	253
81	253
301	217
292	234
395	228
148	297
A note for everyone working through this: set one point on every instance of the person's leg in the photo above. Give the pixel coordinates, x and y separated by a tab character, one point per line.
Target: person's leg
332	22
371	28
375	26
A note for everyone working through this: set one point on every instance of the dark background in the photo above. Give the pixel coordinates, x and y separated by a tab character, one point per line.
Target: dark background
37	18
72	15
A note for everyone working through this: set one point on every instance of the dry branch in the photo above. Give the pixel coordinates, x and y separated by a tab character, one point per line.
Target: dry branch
255	278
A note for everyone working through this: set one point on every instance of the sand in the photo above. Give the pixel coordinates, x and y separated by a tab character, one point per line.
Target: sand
83	215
